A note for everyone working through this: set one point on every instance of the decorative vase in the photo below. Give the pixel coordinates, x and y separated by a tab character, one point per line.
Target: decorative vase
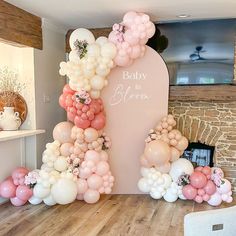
9	119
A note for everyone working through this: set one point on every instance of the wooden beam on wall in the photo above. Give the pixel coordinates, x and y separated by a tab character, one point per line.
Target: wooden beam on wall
97	33
203	93
20	27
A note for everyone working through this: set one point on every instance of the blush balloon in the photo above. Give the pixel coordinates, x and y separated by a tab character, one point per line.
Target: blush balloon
210	187
65	149
23	192
62	132
17	202
8	189
82	186
102	168
99	121
189	192
91	196
198	180
95	182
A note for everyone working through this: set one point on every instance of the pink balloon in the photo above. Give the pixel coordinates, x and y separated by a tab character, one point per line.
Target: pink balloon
81	123
19	172
229	200
198	199
215	199
201	192
206	197
189	192
17	202
65	149
199	168
80	197
91	196
206	170
102	168
95	182
62	101
8	189
122	61
23	192
93	156
198	179
129	37
99	121
82	186
136	52
68	90
62	132
210	187
129	17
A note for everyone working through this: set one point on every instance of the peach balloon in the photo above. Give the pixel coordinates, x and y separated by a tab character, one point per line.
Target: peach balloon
65	149
144	162
164	169
157	152
182	144
62	132
175	154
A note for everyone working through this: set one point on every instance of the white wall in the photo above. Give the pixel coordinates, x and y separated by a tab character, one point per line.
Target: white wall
48	83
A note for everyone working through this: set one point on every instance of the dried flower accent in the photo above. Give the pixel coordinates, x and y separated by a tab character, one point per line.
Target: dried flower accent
183	180
81	47
119	30
10	86
83	97
106	142
151	136
31	178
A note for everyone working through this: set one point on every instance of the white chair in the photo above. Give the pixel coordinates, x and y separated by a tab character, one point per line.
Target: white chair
211	223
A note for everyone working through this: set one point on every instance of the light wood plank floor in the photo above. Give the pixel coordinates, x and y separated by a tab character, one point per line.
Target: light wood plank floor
112	215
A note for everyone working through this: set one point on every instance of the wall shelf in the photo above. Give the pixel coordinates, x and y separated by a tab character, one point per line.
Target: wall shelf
9	135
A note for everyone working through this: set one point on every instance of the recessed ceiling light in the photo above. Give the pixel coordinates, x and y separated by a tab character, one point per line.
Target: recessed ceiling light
183	16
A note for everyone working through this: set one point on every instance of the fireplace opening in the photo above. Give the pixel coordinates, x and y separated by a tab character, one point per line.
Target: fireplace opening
200	154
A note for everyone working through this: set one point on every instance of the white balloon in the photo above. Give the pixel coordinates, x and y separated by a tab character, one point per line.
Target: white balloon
93	50
169	196
97	82
41	192
180	167
95	94
64	191
34	200
73	56
61	164
108	50
101	40
144	171
49	201
167	179
81	34
155	195
143	185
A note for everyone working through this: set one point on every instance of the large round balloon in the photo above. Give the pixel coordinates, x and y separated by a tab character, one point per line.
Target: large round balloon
62	132
81	34
64	191
180	167
157	152
198	179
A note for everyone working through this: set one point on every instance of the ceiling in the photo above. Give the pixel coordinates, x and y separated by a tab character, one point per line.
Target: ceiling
104	13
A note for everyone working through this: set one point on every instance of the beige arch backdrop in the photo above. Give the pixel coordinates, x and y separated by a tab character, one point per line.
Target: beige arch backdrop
135	100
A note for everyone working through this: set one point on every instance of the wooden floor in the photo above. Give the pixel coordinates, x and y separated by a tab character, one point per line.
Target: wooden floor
112	215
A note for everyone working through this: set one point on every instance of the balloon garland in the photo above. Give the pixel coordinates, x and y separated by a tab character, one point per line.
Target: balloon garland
165	174
75	165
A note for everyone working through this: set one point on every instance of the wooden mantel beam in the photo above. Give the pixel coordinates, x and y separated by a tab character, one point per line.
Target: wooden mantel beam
19	27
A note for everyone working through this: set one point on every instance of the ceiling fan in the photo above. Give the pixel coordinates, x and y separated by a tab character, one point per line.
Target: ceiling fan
196	56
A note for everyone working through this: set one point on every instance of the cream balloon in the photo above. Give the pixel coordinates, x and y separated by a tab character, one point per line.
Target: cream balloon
180	167
81	34
40	192
34	200
97	82
61	164
49	201
64	191
90	135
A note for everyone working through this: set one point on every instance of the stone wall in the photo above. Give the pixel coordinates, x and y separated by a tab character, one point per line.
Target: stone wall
211	123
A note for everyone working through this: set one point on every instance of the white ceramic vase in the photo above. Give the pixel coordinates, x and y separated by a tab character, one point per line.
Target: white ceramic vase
9	119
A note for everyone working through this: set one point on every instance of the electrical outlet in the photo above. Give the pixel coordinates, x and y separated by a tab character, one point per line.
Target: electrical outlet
46	98
217	227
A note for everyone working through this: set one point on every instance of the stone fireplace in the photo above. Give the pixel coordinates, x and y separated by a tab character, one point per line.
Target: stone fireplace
208	119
